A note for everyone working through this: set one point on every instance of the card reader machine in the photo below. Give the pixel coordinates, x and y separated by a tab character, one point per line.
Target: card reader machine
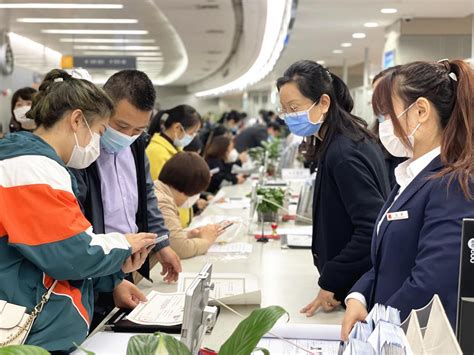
198	316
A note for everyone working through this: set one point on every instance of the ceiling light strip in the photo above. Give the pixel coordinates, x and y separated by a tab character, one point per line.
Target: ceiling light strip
32	5
94	32
105	40
77	20
277	17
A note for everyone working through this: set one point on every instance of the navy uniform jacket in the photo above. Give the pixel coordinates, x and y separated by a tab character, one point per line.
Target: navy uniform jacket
417	257
350	189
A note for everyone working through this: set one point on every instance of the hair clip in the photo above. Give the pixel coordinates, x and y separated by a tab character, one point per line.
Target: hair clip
165	116
453	76
58	80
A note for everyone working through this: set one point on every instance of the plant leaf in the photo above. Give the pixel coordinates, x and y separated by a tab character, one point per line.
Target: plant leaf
23	350
156	344
263	350
248	333
173	345
142	344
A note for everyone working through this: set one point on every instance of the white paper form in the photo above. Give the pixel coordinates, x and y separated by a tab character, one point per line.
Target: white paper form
229	288
243	248
232	204
319	338
164	309
296	230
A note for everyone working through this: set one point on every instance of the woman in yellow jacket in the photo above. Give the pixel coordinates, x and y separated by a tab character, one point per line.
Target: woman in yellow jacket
172	130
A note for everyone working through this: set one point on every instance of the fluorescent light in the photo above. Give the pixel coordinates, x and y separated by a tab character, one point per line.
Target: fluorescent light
76	20
276	30
118	53
371	24
338	51
346	44
49	5
389	11
95	32
117	48
105	40
359	35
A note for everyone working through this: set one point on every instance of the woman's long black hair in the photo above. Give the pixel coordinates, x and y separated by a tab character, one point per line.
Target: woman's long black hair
313	80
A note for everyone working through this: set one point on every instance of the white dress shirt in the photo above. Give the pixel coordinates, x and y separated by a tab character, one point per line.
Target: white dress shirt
405	173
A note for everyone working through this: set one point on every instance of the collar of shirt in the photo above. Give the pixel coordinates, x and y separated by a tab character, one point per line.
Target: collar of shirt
408	170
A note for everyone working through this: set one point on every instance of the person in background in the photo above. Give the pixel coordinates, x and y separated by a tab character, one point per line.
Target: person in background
171	131
254	136
220	160
351	182
21	104
427	115
180	186
231	120
116	192
391	161
43	234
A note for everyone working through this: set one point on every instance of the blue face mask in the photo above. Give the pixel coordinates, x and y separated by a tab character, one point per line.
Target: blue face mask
300	124
113	141
183	142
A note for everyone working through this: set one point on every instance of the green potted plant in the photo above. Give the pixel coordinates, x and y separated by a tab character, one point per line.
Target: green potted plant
243	340
268	205
273	149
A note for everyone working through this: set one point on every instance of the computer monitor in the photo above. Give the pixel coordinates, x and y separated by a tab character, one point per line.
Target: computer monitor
465	311
198	316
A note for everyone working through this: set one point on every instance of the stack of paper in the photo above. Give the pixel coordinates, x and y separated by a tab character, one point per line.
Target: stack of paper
229	288
380	333
163	309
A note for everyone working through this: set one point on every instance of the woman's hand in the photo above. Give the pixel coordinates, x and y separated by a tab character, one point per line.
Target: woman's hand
240	179
140	240
210	232
127	295
244	157
355	312
325	300
136	260
202	203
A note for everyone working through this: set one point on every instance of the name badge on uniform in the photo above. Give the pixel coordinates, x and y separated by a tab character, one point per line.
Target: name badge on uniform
396	216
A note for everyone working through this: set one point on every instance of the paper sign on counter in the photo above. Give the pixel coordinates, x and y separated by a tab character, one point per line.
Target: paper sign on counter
229	288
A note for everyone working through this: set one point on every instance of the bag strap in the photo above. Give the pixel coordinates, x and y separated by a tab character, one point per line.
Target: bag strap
44	299
31	318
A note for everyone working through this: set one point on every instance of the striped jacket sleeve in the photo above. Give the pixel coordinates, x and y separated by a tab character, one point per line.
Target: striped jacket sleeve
42	220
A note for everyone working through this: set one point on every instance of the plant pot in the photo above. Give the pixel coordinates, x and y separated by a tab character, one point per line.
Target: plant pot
267	216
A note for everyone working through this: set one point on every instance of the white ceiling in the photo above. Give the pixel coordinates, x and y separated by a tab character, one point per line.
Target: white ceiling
322	25
207	34
205	28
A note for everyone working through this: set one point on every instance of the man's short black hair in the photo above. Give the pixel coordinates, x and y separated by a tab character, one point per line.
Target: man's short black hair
274	125
134	86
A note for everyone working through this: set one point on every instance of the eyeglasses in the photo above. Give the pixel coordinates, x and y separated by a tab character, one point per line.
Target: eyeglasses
293	109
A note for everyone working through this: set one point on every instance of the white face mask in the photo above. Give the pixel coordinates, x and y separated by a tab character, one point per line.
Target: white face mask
20	114
82	157
233	156
190	201
391	142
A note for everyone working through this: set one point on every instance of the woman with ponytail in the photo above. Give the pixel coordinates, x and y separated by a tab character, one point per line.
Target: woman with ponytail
172	130
427	115
351	183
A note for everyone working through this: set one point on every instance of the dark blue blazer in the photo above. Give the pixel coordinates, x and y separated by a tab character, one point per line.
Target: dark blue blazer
417	257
